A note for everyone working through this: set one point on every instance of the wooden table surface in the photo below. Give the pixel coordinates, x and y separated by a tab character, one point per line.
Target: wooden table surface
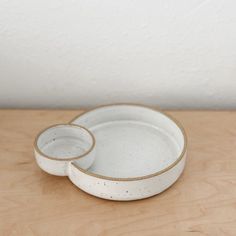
202	202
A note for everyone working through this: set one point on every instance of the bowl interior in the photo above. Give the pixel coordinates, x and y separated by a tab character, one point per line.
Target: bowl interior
64	141
132	141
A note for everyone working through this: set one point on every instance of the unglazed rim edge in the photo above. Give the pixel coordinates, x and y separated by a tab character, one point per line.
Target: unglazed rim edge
37	149
182	154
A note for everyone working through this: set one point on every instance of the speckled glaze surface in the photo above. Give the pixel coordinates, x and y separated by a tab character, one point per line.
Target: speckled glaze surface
140	152
56	146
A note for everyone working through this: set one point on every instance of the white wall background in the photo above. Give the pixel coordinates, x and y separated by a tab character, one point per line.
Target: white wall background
78	53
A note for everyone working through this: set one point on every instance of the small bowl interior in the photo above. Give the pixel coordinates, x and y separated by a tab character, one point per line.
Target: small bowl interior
65	141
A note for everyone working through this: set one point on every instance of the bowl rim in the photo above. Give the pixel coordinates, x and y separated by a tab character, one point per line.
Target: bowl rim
177	123
39	151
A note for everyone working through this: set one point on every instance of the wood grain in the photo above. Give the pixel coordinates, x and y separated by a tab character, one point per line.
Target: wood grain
202	202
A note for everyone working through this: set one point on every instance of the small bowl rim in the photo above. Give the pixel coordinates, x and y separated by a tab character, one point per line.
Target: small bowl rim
39	151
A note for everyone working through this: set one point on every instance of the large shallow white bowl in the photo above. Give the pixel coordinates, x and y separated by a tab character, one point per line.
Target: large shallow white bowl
140	152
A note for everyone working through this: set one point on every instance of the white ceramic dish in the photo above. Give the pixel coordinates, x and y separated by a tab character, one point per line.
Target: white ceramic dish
56	146
140	152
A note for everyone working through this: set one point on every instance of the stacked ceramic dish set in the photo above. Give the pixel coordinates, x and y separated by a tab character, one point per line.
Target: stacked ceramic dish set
117	152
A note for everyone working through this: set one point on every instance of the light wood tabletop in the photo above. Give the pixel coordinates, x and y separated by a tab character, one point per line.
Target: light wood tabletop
201	202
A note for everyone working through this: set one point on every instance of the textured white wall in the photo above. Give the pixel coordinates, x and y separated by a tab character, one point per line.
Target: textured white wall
77	53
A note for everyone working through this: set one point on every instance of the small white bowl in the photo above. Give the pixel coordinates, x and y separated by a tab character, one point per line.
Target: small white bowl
56	146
